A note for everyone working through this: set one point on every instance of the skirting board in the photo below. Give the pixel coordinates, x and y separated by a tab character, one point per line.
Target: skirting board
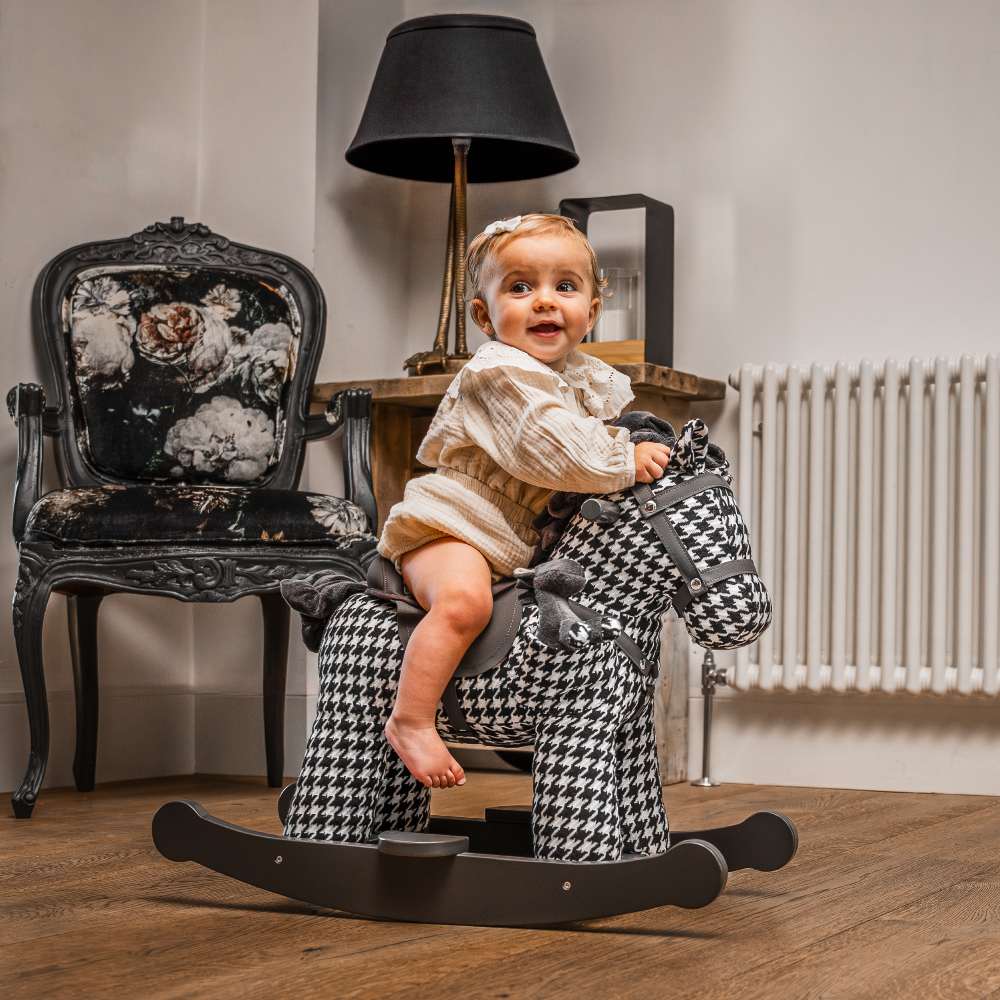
142	733
869	741
884	743
153	732
156	731
229	732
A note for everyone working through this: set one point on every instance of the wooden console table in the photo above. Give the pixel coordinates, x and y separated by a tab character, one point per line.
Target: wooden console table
402	409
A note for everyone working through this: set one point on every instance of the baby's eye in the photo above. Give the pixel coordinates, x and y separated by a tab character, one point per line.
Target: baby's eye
519	286
572	287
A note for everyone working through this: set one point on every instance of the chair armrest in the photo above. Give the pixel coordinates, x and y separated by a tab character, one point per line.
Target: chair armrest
350	410
26	404
331	420
51	415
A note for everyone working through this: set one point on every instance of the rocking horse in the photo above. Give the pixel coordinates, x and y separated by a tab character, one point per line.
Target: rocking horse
568	665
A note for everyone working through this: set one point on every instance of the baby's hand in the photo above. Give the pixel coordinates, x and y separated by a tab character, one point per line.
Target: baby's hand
650	461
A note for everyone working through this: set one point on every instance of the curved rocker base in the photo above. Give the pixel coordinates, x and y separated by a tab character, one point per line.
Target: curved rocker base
436	885
765	841
472	871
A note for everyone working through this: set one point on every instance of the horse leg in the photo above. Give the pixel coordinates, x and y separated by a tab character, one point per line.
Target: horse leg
403	803
575	809
352	785
640	794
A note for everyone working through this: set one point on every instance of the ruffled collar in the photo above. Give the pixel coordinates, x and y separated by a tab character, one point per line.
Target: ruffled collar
605	391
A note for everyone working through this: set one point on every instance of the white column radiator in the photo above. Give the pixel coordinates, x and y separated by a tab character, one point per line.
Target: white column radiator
873	495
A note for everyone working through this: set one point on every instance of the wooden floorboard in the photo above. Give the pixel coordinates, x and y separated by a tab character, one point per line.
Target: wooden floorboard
890	895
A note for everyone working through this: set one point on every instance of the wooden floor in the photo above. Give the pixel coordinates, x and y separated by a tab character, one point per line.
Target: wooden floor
891	895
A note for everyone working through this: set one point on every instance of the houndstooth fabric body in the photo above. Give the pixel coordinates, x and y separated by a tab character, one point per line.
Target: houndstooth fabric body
588	713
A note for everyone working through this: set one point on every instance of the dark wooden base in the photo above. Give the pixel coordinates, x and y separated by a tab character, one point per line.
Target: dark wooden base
469	888
765	841
471	871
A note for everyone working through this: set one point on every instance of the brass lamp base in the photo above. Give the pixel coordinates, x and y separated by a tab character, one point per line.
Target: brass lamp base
438	359
434	362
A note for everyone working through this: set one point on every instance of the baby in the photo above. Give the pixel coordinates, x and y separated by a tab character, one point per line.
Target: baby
523	418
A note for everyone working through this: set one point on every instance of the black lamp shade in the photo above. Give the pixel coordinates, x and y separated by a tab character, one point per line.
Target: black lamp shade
455	75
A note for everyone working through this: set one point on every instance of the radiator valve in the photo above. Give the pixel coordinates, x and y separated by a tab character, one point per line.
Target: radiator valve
711	675
711	678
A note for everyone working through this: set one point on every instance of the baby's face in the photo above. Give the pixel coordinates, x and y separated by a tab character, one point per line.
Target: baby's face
539	297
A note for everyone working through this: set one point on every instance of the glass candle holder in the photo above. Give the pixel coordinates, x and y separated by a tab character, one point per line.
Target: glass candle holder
620	313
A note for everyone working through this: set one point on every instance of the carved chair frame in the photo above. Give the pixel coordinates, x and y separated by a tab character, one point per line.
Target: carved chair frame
194	572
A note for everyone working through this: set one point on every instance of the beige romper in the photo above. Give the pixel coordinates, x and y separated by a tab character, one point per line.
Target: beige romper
509	432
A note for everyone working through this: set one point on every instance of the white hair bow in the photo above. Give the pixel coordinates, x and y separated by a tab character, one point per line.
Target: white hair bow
502	226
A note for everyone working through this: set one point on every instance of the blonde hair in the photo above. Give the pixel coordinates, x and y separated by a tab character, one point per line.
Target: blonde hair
484	248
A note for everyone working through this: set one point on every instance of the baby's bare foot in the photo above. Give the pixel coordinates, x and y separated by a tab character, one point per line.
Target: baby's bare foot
423	752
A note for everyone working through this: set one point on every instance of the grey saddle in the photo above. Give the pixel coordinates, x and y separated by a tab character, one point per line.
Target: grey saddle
495	641
491	645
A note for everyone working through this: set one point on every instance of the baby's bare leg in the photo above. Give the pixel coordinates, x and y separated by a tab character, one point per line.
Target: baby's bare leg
451	581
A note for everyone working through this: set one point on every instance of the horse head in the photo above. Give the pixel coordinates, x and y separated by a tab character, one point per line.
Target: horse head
679	542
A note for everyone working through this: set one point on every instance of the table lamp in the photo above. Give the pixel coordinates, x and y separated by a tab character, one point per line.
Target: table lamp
460	98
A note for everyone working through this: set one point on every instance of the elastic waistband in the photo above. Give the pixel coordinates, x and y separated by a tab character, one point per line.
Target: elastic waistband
515	513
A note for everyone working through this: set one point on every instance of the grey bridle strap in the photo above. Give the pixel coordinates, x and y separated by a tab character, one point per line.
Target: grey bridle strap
654	507
675	494
710	577
628	645
654	513
625	642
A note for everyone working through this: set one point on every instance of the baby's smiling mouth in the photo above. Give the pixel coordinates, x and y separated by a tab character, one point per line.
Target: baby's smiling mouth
545	328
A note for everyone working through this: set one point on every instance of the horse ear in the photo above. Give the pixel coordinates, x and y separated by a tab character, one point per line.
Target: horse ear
691	447
721	463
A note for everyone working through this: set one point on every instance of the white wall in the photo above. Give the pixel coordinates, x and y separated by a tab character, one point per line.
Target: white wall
362	250
831	167
114	114
90	154
363	242
257	183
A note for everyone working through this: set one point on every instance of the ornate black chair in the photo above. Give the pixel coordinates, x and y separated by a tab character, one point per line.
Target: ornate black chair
181	366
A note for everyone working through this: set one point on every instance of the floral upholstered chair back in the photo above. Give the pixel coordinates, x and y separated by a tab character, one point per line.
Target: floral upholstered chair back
180	363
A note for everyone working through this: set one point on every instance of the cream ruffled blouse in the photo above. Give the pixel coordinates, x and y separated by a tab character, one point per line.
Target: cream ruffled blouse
509	432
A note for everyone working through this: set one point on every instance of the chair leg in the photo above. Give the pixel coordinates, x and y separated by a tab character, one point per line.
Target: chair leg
276	615
30	599
82	613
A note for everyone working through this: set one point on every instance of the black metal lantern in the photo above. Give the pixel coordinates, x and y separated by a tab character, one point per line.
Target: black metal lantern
657	344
